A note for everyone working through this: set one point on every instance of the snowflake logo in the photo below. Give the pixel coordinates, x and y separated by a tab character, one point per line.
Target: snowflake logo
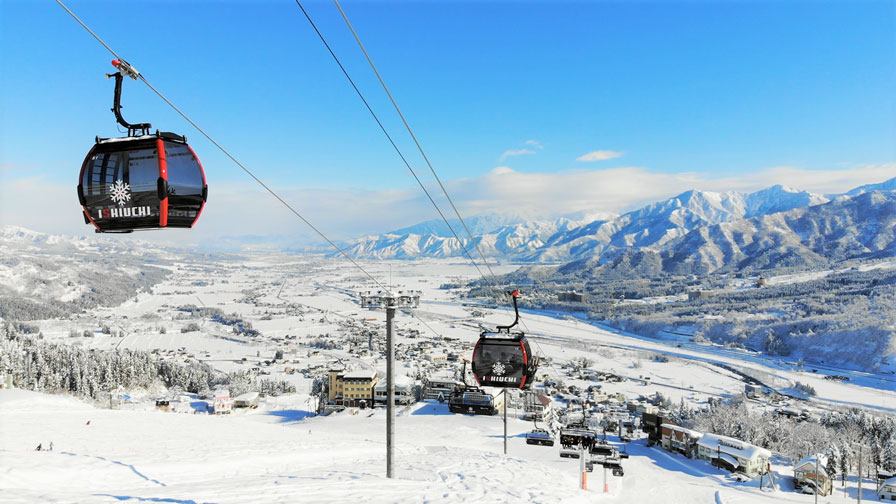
498	368
121	192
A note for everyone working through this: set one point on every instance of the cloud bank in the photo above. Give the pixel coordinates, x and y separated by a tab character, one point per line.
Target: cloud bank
236	209
599	155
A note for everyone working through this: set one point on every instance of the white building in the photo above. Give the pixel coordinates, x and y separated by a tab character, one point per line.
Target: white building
733	454
404	394
440	386
222	403
804	474
887	490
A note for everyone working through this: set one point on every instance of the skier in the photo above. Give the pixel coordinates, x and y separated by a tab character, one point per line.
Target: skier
51	446
88	422
39	447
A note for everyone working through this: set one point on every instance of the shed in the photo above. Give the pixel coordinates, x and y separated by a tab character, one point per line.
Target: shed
247	400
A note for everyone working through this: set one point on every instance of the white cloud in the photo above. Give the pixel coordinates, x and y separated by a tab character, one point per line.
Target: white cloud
599	155
518	152
236	209
535	143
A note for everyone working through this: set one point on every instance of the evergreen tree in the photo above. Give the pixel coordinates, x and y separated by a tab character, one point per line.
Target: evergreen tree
888	454
833	461
845	462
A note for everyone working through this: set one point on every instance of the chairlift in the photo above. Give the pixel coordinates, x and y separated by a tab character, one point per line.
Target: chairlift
470	399
503	358
141	181
539	437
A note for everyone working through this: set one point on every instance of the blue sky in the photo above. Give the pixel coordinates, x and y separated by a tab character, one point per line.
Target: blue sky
507	98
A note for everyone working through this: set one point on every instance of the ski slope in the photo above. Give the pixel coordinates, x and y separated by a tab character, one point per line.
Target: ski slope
278	453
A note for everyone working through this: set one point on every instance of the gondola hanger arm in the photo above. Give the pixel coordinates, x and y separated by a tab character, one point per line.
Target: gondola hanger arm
513	294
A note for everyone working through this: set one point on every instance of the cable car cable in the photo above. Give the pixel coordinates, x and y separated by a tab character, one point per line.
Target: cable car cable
414	137
385	132
226	153
419	147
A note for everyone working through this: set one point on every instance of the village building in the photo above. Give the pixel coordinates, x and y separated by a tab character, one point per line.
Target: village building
651	424
437	357
537	407
404	394
440	387
572	297
733	454
222	403
695	295
247	400
887	490
805	474
352	388
679	439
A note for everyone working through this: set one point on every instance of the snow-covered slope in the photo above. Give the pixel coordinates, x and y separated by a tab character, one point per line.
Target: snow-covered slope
889	185
277	454
863	226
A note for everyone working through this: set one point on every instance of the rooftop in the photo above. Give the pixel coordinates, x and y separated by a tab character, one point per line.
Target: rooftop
364	374
733	446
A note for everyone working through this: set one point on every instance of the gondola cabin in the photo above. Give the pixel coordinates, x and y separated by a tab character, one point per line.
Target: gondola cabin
500	361
151	181
502	358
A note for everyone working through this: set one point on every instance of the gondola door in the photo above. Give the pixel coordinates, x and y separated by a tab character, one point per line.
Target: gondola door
120	185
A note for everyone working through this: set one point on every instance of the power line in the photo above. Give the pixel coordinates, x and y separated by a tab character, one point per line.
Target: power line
385	132
408	127
226	153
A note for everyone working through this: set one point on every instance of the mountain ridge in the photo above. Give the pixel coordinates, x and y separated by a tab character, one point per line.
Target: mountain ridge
651	227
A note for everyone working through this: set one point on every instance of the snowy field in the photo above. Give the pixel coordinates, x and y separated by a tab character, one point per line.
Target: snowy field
282	452
278	454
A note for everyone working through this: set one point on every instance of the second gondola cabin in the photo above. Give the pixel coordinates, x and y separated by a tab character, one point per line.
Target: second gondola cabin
501	361
150	181
503	358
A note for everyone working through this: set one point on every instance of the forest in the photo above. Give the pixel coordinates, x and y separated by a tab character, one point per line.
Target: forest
35	364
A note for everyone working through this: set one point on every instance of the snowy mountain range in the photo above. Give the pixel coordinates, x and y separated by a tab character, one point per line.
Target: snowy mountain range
859	227
666	226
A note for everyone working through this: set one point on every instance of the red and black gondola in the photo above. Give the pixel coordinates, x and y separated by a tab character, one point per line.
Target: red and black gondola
503	358
142	181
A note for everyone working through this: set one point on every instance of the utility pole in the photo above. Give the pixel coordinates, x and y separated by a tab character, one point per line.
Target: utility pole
816	479
584	479
504	391
859	494
390	302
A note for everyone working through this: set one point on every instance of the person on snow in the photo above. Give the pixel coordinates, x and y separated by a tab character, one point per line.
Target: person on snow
39	447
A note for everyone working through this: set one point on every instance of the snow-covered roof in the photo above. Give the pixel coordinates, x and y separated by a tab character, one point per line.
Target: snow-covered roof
810	460
443	376
728	458
890	482
733	446
248	396
364	374
689	432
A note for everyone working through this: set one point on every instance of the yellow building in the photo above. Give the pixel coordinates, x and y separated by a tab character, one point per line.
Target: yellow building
352	388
